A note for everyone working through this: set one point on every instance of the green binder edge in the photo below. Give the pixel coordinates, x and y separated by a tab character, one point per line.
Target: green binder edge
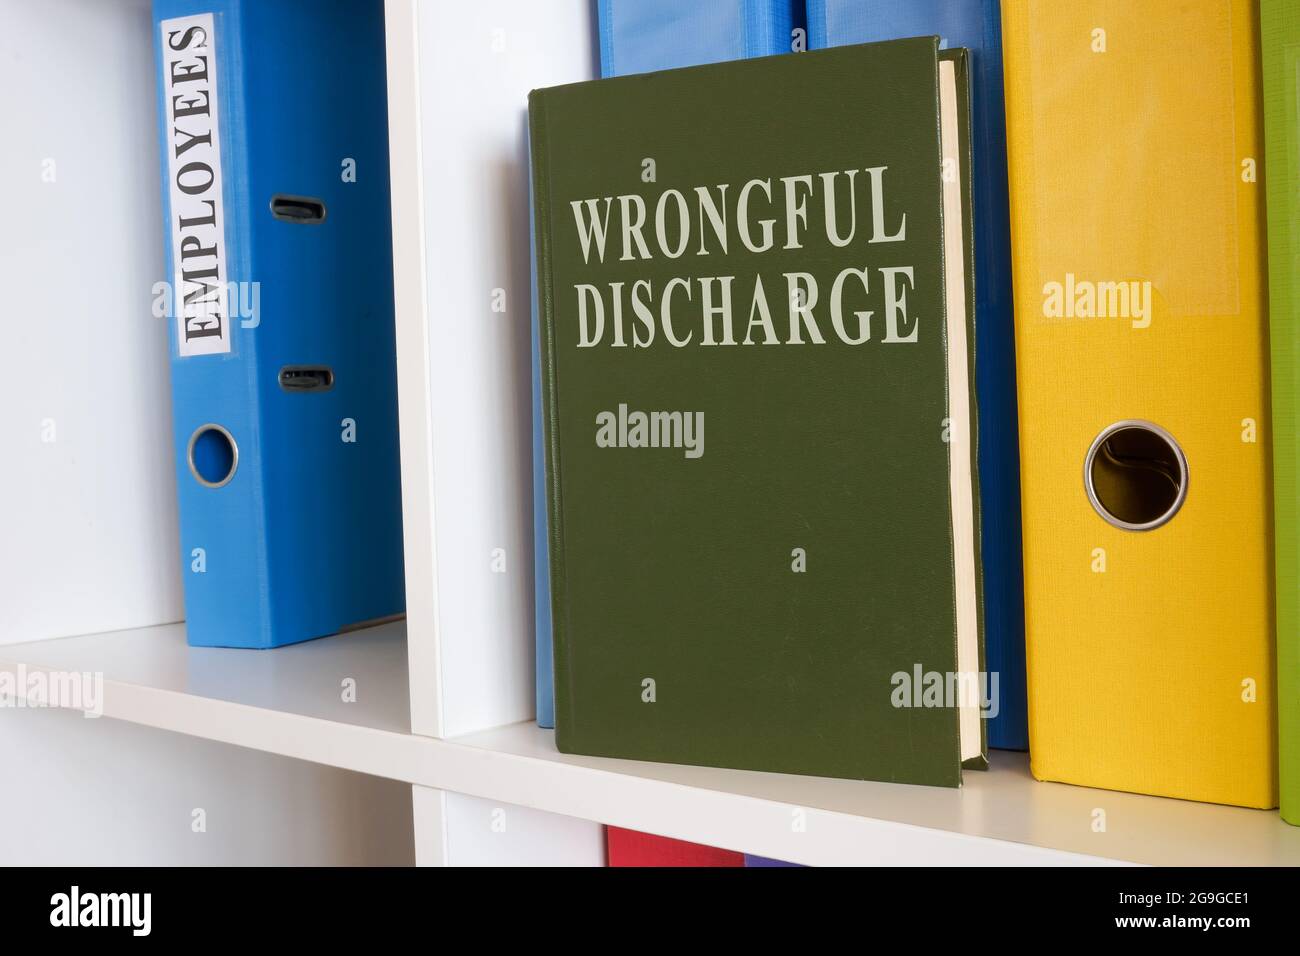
1280	32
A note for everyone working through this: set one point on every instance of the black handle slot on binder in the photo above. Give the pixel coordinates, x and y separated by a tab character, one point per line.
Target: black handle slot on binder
301	209
1136	475
306	378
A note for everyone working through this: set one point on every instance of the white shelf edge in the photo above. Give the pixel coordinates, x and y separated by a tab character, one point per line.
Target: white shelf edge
381	753
414	400
726	819
577	787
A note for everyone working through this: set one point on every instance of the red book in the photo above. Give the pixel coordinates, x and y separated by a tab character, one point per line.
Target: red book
630	848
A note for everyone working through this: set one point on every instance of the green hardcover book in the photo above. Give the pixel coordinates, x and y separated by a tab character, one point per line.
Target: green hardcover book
755	294
1280	21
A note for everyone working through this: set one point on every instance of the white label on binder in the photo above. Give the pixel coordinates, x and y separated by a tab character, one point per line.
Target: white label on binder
199	279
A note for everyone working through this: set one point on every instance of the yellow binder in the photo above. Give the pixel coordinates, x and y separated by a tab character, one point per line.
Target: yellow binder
1135	149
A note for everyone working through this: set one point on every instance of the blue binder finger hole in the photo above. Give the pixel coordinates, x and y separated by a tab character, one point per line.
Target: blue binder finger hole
213	456
1135	475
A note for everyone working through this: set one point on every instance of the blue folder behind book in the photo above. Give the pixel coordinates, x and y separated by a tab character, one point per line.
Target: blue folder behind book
638	37
274	151
977	26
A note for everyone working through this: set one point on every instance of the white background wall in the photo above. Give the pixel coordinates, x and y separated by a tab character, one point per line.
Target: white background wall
97	792
88	536
452	829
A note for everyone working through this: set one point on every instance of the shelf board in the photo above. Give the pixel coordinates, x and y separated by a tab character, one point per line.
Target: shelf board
289	702
999	817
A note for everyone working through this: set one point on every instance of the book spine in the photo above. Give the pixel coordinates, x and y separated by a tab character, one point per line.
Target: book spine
630	848
550	430
542	645
1280	30
962	63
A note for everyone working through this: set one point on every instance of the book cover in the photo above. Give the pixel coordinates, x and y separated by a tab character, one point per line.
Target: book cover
1280	29
976	26
636	38
279	262
629	848
1137	222
755	289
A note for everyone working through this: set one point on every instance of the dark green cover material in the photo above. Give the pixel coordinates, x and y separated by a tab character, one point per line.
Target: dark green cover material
680	570
1280	22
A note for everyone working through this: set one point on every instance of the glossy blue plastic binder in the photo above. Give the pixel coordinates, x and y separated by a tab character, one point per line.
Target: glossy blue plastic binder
977	26
637	37
274	149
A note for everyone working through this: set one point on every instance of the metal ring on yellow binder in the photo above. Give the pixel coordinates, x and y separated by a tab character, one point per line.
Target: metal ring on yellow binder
1089	482
234	455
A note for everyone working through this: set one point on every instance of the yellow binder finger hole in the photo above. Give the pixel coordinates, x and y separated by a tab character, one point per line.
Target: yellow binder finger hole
213	455
1135	475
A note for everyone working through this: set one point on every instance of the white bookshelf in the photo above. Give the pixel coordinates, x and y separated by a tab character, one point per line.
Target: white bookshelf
457	134
410	742
87	497
518	800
